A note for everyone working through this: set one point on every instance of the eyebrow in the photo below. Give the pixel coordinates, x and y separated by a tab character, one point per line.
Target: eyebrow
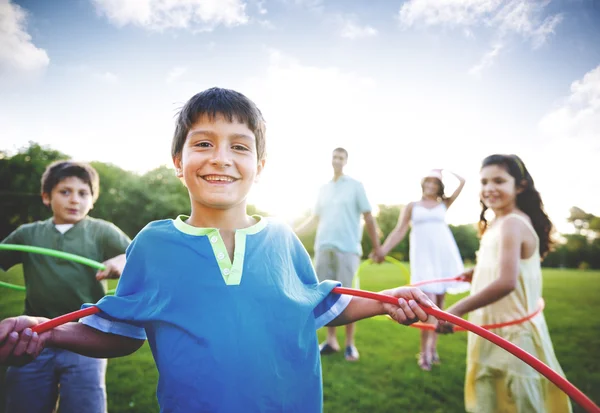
212	134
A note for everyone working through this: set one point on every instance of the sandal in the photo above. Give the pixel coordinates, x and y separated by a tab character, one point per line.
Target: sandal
351	353
325	349
423	363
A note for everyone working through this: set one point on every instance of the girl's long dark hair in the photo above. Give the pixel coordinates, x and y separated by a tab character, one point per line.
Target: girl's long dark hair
528	201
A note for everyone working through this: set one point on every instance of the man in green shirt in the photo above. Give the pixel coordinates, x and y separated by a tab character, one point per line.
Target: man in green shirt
55	287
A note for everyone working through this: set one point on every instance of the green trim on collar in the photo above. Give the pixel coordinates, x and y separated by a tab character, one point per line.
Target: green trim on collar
231	272
182	226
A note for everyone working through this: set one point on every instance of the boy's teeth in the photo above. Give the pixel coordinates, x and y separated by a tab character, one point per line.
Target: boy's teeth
218	178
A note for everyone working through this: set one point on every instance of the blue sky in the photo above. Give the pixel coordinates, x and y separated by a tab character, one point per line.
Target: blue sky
405	86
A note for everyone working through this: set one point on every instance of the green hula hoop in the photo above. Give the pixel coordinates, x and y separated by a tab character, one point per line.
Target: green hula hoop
52	253
392	260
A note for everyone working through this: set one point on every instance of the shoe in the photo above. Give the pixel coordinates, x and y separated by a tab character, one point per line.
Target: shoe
351	353
435	359
325	349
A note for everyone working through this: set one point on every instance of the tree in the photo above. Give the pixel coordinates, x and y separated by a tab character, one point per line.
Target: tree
20	187
467	240
584	223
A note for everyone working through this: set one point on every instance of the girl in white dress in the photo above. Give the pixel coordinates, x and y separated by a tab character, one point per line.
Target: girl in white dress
433	250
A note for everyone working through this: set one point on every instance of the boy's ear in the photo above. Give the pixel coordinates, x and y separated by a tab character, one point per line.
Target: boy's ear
46	199
259	169
178	167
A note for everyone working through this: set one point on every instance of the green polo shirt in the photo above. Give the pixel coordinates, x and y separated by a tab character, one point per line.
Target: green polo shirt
56	286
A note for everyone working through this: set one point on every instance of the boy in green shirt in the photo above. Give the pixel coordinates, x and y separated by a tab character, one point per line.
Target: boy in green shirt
56	287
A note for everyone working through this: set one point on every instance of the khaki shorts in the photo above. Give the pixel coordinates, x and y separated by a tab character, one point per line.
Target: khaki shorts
332	264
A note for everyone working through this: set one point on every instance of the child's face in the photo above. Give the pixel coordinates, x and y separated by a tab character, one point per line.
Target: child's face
70	200
498	189
218	163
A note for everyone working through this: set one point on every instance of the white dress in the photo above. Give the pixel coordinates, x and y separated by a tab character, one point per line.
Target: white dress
433	250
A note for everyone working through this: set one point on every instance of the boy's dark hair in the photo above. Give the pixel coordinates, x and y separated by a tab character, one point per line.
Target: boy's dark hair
59	170
342	150
528	201
216	101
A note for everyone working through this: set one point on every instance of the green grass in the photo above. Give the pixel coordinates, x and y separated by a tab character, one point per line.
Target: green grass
387	379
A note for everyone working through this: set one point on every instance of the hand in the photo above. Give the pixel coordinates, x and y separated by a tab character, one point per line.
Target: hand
376	257
18	344
467	276
444	327
408	310
112	268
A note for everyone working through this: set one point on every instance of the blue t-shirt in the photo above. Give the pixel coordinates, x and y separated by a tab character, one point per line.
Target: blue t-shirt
340	205
226	336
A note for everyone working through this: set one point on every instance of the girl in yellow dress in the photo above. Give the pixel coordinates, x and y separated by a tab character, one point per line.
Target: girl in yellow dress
507	285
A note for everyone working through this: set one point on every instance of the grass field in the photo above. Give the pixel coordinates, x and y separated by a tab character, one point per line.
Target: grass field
387	379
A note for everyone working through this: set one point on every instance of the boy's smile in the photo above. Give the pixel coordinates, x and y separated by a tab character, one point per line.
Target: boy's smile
218	164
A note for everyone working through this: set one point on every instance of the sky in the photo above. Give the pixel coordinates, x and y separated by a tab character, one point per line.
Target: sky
404	86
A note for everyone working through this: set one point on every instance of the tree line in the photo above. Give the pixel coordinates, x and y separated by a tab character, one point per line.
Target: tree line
131	200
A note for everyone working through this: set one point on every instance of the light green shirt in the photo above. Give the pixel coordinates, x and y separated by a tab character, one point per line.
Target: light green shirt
56	286
339	207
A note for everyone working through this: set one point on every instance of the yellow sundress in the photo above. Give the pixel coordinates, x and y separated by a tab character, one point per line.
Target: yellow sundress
496	381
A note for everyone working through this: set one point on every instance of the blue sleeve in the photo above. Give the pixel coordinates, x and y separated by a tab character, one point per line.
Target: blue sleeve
362	200
319	204
328	305
125	312
331	306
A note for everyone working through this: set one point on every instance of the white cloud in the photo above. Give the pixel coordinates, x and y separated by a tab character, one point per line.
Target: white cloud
175	74
487	60
18	55
195	15
106	77
571	142
350	29
577	120
449	12
261	7
523	18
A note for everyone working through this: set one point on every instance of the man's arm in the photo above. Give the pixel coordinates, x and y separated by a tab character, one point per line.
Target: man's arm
371	226
307	226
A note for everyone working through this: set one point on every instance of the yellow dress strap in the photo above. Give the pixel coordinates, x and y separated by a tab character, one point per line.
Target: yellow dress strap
524	220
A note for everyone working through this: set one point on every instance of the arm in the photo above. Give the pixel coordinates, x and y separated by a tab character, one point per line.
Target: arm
113	268
88	341
18	345
307	226
406	312
510	253
372	231
399	232
457	192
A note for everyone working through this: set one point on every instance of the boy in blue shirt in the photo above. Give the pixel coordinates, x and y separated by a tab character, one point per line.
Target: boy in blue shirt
229	303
